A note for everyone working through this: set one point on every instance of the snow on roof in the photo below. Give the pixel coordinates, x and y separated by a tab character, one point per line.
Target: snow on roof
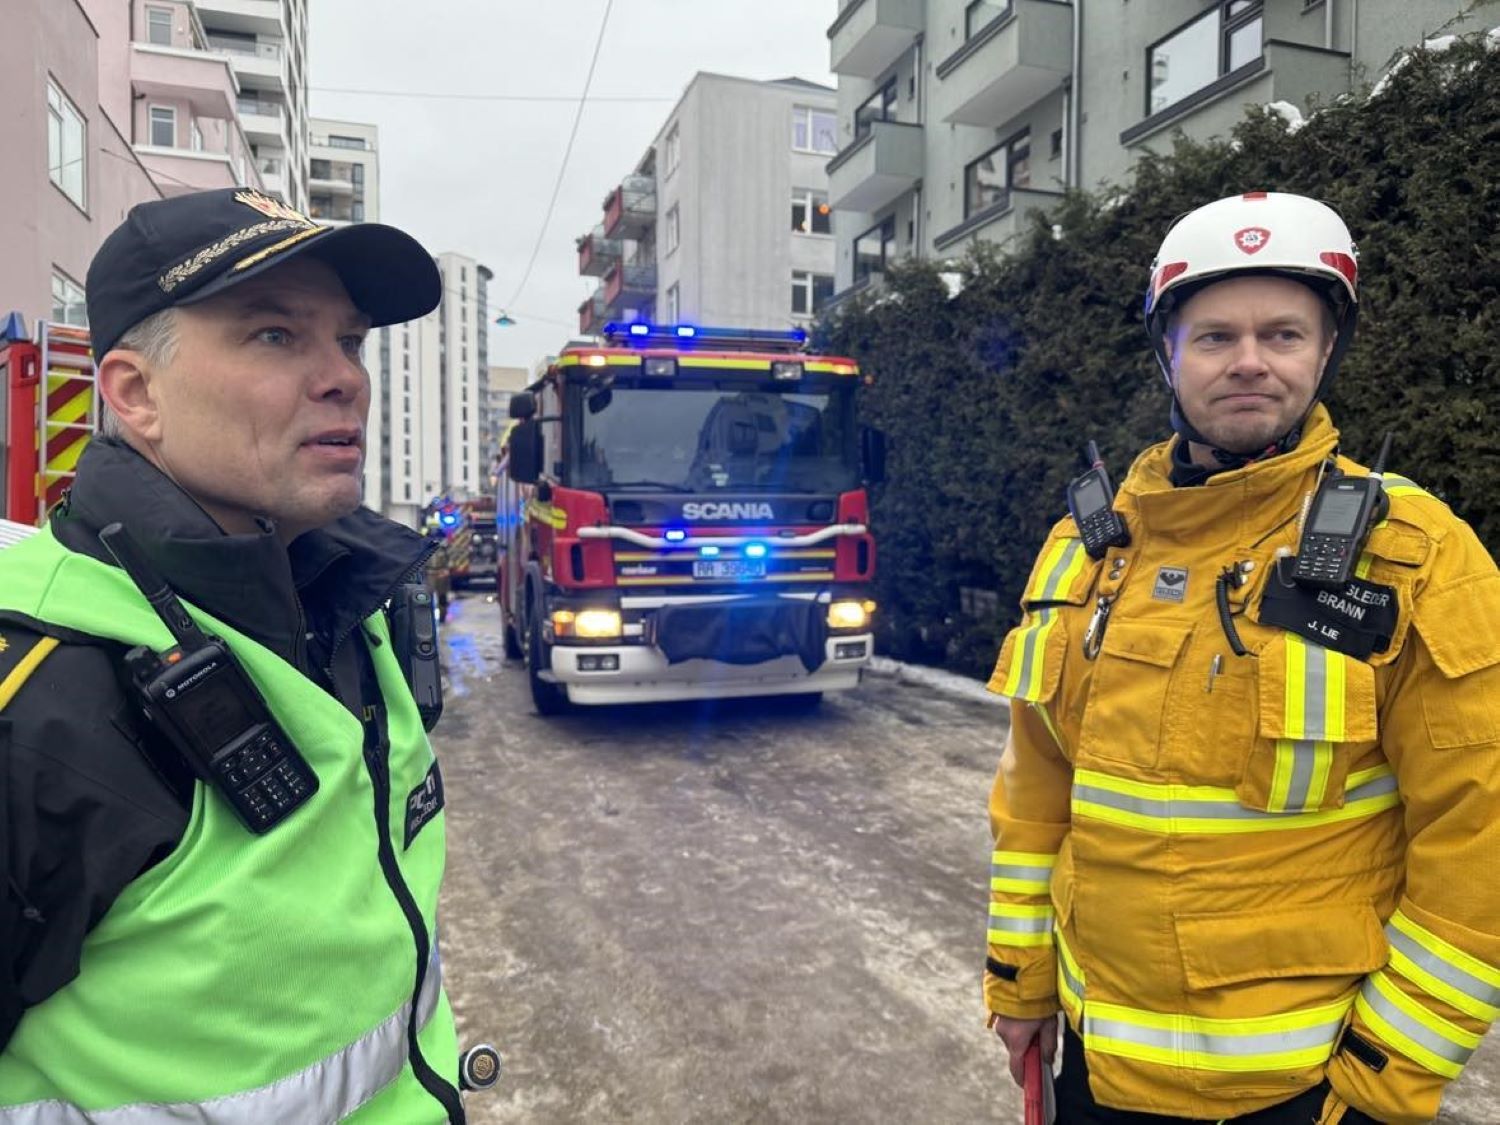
1288	113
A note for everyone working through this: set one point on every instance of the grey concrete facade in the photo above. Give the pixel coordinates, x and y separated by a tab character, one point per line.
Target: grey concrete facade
1065	95
723	173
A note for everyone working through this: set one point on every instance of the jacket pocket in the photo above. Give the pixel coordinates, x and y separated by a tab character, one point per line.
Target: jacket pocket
1124	720
1460	624
1324	940
1315	706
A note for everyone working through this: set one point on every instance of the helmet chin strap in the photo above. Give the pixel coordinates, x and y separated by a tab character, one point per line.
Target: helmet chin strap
1286	442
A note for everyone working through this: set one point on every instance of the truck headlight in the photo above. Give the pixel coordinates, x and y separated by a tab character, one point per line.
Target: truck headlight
850	615
597	624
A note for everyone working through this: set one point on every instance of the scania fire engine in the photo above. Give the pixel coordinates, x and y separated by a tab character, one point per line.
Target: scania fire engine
683	515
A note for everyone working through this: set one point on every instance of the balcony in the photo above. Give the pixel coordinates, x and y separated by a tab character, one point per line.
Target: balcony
249	17
597	254
629	286
869	35
1009	65
630	210
201	78
877	169
262	60
997	223
176	171
592	315
264	122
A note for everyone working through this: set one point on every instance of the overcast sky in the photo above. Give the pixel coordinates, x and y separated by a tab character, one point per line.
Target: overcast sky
474	174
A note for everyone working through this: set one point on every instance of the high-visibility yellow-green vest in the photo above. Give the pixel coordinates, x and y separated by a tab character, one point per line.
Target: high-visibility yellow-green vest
244	978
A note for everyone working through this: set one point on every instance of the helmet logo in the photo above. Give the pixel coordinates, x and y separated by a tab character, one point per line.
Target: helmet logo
1252	239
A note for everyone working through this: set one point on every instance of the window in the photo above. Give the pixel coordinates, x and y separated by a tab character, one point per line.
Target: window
335	141
68	305
875	249
810	212
67	143
981	13
673	235
318	169
1057	139
159	26
988	180
810	292
674	304
357	211
879	106
164	126
671	151
1221	40
815	130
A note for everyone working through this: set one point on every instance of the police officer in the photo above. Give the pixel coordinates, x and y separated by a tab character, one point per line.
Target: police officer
157	958
1246	849
440	570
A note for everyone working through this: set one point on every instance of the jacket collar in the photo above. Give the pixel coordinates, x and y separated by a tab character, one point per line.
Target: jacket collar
1254	498
338	574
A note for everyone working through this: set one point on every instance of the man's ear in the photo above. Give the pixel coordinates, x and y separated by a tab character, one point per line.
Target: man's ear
125	384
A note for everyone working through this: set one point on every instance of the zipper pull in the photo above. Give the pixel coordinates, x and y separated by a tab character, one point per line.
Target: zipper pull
1093	636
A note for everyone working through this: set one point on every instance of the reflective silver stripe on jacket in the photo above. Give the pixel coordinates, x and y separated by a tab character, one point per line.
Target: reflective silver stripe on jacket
328	1090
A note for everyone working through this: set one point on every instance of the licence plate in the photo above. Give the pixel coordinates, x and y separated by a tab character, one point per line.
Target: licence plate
730	568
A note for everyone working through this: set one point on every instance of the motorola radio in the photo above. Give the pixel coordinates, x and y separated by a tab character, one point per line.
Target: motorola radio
1343	511
200	699
413	615
1091	502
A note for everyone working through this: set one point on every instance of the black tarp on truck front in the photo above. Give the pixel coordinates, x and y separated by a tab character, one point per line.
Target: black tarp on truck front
752	631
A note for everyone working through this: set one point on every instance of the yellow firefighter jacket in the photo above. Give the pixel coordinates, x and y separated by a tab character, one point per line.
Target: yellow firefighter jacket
1237	874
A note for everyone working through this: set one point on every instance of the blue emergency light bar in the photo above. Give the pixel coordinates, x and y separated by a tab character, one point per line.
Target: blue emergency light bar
643	333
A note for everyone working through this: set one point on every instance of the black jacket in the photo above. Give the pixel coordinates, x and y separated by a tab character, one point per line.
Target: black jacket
90	798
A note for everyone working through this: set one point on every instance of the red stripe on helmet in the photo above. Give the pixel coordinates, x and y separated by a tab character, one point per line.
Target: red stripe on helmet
1343	263
1166	274
1253	195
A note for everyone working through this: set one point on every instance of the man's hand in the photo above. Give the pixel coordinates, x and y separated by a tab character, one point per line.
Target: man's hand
1017	1036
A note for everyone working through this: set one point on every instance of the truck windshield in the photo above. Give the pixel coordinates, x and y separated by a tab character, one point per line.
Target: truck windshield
703	439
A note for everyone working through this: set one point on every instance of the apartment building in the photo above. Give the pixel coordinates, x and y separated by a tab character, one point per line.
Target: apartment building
343	171
432	405
957	118
726	219
266	44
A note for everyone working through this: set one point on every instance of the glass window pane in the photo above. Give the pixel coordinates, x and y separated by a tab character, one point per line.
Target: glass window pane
799	292
1244	44
799	214
825	132
799	128
822	290
822	214
1186	62
159	26
163	127
984	182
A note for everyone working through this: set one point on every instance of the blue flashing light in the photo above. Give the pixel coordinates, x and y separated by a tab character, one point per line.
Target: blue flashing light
686	331
674	535
448	519
640	330
709	552
755	550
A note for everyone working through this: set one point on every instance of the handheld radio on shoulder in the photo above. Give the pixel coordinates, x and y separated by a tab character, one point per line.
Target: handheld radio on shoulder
414	638
1343	511
1091	502
204	704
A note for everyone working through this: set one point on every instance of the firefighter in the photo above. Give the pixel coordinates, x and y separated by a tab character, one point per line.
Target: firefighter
439	570
1245	847
157	958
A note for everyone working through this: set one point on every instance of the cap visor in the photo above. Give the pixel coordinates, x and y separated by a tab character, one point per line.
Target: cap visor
388	275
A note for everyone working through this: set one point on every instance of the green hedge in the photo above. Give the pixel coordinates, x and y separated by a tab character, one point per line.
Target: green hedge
988	397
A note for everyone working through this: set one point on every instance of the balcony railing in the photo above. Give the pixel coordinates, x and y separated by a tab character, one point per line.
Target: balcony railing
629	285
630	210
242	47
592	315
597	254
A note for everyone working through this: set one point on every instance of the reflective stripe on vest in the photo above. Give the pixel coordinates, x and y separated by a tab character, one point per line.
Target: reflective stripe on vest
1314	719
1017	924
1028	657
1290	1041
1022	873
1063	564
1443	970
28	664
1196	810
1422	1036
328	1090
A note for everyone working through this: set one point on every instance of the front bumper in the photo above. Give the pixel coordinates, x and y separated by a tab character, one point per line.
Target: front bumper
643	675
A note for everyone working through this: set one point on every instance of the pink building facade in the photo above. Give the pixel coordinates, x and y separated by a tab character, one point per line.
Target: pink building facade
109	103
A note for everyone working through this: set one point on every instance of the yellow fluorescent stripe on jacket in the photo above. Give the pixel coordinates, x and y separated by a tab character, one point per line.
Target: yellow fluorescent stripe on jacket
1020	924
1189	810
1064	563
1442	969
1422	1036
1028	666
1289	1041
1025	873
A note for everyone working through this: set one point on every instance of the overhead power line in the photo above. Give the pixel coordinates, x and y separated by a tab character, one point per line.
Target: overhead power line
490	97
567	153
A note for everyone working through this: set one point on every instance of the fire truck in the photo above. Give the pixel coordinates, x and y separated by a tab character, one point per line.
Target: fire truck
683	515
48	413
469	528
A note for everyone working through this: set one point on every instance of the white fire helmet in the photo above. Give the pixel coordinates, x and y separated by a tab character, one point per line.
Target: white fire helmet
1260	232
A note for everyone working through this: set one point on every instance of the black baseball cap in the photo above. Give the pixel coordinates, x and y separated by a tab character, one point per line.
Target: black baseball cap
180	250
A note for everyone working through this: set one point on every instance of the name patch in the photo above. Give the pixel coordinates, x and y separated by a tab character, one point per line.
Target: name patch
1357	620
424	802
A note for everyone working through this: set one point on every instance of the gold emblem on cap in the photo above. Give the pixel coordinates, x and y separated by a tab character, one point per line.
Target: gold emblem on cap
272	208
4	644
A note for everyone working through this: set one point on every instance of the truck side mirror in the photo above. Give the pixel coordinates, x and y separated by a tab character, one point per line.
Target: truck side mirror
872	453
523	405
526	451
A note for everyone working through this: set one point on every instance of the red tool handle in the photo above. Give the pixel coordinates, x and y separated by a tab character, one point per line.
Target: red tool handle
1031	1067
